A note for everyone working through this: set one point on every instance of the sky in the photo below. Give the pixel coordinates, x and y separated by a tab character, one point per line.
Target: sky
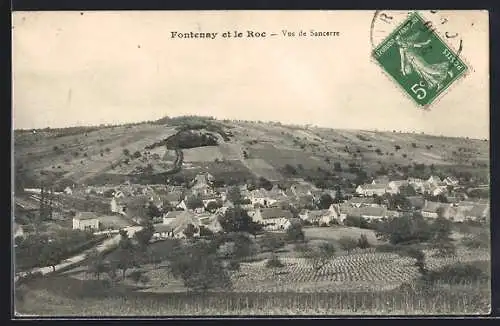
90	68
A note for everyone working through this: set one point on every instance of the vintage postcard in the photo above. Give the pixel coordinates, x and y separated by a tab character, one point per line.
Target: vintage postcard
249	163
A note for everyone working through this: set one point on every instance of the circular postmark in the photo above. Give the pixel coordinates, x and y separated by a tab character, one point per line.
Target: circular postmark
384	22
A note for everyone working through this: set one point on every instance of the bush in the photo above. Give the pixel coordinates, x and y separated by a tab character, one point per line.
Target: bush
347	243
456	274
295	233
363	242
274	262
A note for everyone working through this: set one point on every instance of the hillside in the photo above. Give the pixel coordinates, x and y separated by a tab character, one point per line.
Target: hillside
236	151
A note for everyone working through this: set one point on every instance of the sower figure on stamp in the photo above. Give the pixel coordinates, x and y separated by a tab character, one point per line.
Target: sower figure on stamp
433	74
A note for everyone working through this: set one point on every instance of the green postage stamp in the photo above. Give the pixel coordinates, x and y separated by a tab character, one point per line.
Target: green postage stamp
419	60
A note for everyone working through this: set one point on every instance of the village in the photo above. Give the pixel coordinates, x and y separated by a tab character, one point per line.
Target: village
173	208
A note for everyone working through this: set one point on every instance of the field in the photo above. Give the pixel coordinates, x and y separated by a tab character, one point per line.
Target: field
335	233
84	156
362	283
114	221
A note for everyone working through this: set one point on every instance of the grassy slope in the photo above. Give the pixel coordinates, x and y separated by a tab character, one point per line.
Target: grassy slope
269	148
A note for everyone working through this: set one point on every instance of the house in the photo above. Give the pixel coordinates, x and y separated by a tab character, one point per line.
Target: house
360	201
273	218
382	180
371	189
366	212
393	186
434	180
117	206
320	217
435	209
85	221
302	189
162	231
207	198
170	216
451	181
202	183
337	211
68	191
261	197
181	222
17	230
436	190
291	222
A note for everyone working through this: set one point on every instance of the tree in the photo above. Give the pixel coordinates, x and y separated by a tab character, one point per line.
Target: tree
51	255
407	190
126	152
197	265
325	201
212	206
363	242
97	265
136	276
194	202
234	195
348	244
419	257
190	231
136	154
441	239
236	219
264	183
153	210
319	256
144	235
272	242
405	229
295	233
337	167
289	169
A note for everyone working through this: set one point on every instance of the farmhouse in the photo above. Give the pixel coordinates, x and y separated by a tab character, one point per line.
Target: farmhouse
261	197
324	216
181	222
434	180
302	189
371	189
18	230
85	221
393	186
162	231
434	209
170	216
272	218
451	181
360	201
382	180
117	206
202	183
68	191
367	212
207	198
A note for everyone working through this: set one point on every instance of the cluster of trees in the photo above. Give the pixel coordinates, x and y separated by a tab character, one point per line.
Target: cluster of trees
190	139
40	250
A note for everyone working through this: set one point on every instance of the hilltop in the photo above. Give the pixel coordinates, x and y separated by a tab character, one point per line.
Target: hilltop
235	151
